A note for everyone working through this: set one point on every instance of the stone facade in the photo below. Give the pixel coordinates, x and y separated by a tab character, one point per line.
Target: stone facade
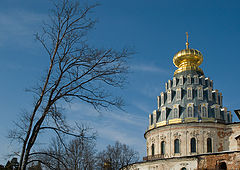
217	132
210	161
218	160
173	164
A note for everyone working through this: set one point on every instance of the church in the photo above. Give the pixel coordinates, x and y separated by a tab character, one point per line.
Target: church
190	129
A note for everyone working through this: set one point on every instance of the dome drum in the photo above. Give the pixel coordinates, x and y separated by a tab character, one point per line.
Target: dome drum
201	132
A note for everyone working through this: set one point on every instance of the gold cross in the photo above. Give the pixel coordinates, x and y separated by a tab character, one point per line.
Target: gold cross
187	44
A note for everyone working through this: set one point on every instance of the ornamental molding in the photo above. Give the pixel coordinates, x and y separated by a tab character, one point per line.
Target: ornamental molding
194	133
184	164
153	140
209	133
177	135
163	137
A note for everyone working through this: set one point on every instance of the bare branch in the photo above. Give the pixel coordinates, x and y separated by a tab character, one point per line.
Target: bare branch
48	155
76	71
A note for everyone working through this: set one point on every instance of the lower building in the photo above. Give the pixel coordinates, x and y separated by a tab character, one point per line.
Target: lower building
212	161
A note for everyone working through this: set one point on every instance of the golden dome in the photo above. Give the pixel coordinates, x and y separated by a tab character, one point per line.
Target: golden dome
188	59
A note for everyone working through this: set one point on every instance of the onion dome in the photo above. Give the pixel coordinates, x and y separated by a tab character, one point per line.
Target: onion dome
188	59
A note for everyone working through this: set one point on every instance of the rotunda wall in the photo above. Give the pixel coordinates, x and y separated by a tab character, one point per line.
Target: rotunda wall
200	132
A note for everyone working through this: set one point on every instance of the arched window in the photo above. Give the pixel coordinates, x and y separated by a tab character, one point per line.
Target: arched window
152	149
189	81
210	93
169	96
163	114
209	145
193	145
200	93
178	91
203	80
162	148
190	111
176	146
189	93
162	99
175	112
217	112
204	111
181	80
174	81
183	168
196	79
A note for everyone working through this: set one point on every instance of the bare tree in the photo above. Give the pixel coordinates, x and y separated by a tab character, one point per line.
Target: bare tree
116	156
78	153
76	71
81	154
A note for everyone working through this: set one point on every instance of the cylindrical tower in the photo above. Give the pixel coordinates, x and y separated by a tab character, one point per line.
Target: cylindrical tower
190	112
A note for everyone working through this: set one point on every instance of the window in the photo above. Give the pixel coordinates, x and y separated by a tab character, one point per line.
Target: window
222	115
203	80
189	93
163	114
216	96
209	145
181	81
179	97
190	110
210	94
189	79
175	112
174	81
200	93
204	110
162	148
193	145
183	168
169	96
217	112
176	146
152	149
196	79
162	99
220	99
208	82
211	83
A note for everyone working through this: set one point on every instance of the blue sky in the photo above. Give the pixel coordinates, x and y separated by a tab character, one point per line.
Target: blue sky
155	28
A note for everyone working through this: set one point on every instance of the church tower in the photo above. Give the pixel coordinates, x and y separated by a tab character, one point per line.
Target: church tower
190	128
189	96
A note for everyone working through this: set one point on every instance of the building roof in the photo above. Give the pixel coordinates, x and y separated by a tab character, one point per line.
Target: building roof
189	96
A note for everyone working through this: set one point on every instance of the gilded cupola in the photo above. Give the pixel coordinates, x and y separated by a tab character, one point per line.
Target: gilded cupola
189	96
188	59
